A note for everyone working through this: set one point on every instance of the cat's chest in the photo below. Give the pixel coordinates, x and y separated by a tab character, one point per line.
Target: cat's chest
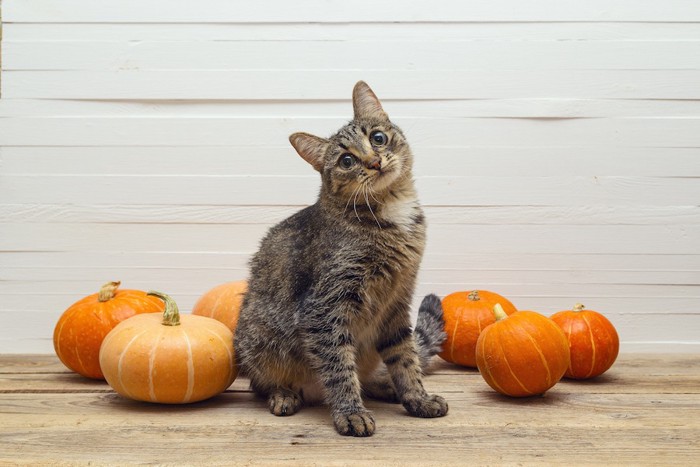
393	258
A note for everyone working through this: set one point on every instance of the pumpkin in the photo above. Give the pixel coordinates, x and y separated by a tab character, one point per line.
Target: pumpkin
223	303
523	354
82	327
169	358
593	341
466	314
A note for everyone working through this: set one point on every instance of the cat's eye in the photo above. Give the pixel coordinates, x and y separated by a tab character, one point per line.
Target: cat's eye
347	161
378	138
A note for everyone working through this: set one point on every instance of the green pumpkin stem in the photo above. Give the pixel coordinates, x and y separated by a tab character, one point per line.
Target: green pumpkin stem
499	312
107	291
171	315
579	307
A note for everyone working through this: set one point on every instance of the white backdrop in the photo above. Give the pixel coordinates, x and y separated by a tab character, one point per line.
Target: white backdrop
557	147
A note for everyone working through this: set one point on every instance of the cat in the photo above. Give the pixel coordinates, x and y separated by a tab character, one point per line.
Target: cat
331	286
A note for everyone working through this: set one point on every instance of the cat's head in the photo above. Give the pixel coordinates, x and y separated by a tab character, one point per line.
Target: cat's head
370	153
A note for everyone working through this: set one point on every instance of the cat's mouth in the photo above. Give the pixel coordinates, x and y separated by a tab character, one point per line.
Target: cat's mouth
383	179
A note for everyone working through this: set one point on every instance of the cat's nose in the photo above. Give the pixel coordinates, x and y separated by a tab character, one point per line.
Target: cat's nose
375	164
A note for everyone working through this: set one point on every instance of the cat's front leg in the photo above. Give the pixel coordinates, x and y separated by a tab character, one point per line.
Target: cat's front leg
332	353
398	351
333	356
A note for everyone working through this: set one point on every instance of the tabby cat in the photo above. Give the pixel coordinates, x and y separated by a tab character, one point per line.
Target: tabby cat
331	286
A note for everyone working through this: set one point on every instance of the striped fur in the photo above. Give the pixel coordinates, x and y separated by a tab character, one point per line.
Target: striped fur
330	287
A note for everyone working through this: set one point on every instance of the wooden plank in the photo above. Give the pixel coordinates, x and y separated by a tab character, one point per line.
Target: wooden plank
50	303
413	54
636	365
349	30
458	382
222	11
282	160
210	274
466	261
331	84
339	108
245	238
565	295
449	190
424	132
436	215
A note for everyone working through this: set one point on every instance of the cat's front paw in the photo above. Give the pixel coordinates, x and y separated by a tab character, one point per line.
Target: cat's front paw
428	407
354	424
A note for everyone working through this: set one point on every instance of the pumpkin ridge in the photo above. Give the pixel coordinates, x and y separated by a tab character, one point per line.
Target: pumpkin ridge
454	334
75	348
228	351
488	370
215	306
593	352
151	366
121	359
568	340
190	369
539	352
500	346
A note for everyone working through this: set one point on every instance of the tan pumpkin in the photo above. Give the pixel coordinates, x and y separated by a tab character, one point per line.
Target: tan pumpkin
223	303
169	358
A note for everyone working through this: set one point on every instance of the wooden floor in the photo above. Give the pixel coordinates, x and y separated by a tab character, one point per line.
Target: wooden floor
645	410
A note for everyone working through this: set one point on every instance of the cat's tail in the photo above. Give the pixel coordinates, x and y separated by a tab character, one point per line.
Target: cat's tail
430	330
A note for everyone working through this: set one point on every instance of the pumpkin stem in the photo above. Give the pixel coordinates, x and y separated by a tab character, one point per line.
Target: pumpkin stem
579	307
171	315
474	296
108	291
499	312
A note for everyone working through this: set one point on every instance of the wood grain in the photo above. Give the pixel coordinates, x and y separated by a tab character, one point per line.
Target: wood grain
645	411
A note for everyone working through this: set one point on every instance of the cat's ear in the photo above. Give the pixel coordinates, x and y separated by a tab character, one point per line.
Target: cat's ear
366	104
311	148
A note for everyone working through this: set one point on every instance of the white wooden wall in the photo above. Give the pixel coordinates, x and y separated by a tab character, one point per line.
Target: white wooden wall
557	146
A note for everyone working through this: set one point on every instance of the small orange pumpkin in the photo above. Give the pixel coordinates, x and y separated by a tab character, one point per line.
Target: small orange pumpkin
466	314
223	303
169	358
523	354
593	341
82	327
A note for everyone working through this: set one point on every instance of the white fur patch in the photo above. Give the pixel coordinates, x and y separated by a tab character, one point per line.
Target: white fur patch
400	211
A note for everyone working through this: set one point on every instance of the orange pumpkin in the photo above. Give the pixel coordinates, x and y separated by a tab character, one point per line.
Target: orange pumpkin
223	303
523	354
466	315
593	341
82	327
169	358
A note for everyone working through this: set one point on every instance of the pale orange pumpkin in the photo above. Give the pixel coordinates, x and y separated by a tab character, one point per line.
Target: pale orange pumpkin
466	314
593	341
82	327
223	303
169	358
523	354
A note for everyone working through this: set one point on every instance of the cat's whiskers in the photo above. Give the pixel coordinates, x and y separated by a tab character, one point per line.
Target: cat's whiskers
372	193
350	199
354	202
366	187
